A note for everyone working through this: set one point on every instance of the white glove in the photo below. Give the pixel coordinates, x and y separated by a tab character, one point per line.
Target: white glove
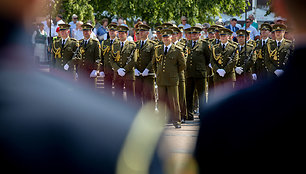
254	76
145	72
221	72
278	72
66	67
239	70
102	74
209	65
93	74
121	72
76	76
137	73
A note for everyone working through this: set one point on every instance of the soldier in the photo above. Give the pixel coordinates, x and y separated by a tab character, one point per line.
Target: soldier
223	61
259	69
187	34
247	58
196	70
144	85
278	51
123	62
106	70
64	49
168	62
182	85
159	37
87	67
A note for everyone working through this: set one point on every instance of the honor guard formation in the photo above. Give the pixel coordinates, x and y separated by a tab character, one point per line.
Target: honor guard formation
182	67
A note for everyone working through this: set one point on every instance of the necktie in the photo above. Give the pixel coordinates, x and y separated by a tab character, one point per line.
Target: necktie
166	50
85	44
111	42
121	45
193	43
63	43
141	44
223	47
278	44
263	43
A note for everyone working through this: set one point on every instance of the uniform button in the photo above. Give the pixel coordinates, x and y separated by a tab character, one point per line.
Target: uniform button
163	70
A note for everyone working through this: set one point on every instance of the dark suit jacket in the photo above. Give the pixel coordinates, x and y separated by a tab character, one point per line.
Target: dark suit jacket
260	129
234	28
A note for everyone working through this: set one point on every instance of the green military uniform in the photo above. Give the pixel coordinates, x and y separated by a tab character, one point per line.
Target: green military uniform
259	67
106	46
182	84
144	84
196	71
224	59
277	53
168	65
247	58
63	51
158	29
123	58
90	56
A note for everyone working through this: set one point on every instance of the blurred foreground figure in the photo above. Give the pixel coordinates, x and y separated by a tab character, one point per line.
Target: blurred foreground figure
264	134
50	126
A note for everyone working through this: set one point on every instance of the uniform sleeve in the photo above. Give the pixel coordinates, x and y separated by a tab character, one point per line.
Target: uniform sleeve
97	56
233	61
268	62
214	62
131	64
149	66
181	61
154	66
251	61
112	60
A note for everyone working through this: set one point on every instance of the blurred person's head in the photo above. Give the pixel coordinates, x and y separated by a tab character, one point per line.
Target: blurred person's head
41	26
184	20
120	21
252	18
223	35
241	36
143	31
265	30
79	25
59	17
64	30
112	31
248	22
205	27
104	22
74	18
175	35
158	34
233	22
122	32
195	33
211	33
87	30
167	36
280	30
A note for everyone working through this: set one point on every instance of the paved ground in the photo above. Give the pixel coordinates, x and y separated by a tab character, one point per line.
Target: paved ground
181	142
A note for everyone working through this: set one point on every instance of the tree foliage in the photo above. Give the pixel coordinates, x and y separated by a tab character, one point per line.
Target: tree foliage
154	11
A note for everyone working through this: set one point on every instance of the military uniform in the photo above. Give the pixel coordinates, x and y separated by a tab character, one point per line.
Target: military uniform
196	71
63	51
90	53
168	67
259	67
247	58
144	84
277	54
224	61
182	84
123	60
106	46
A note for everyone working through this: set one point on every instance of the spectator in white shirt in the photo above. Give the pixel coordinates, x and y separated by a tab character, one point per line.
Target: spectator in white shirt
73	22
78	33
254	34
184	24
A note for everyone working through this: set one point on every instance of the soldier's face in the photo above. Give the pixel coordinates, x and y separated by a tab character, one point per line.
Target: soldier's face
224	38
167	40
265	33
159	36
188	36
143	35
174	38
211	36
279	35
86	34
195	36
112	34
241	40
122	36
64	33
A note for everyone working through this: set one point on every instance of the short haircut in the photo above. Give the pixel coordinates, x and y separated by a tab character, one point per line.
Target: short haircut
104	20
60	16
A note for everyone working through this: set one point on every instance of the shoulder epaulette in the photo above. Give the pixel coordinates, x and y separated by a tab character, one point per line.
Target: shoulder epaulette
178	47
96	40
73	39
288	41
233	45
158	46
